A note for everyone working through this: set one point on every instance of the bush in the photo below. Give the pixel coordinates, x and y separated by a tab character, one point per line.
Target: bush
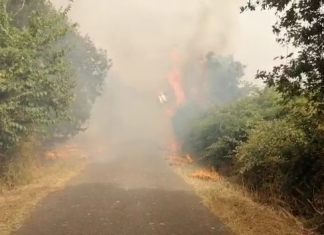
215	134
273	149
283	163
270	143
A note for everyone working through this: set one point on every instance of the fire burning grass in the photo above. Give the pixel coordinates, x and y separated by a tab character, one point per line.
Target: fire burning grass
62	152
68	151
179	161
206	174
203	174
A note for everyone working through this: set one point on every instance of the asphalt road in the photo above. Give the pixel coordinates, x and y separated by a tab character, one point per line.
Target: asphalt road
134	192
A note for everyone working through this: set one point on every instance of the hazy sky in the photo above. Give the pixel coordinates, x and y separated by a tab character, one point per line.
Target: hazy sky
140	34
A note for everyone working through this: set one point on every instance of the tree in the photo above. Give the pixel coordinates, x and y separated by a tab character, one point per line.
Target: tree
90	65
301	24
36	82
50	75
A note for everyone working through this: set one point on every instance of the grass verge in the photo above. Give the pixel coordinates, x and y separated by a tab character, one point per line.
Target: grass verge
235	207
16	204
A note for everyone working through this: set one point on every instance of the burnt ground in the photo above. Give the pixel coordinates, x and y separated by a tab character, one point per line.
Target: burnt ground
133	193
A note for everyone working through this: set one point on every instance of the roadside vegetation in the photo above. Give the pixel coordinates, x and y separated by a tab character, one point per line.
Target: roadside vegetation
50	76
265	143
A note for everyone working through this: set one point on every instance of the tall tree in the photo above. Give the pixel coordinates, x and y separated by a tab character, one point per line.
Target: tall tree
36	82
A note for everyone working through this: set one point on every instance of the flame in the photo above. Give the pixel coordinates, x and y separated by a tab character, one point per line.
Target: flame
207	174
174	78
195	91
178	160
50	155
66	151
62	152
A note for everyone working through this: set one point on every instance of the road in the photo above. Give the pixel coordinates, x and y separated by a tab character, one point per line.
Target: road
134	192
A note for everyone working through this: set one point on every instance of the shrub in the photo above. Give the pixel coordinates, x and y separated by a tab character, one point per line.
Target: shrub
275	149
270	142
215	134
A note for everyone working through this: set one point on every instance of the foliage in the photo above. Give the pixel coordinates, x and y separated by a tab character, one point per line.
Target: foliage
301	24
36	82
294	166
50	76
274	148
215	135
270	142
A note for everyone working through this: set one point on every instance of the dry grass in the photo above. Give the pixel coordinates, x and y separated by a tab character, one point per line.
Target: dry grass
235	207
15	205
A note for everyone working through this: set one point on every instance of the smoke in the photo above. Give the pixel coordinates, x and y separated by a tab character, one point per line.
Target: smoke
139	37
214	29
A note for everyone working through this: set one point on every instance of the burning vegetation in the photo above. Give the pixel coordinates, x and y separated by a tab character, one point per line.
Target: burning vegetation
206	174
179	161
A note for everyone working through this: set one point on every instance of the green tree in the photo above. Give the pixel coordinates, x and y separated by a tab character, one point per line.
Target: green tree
87	63
50	76
299	23
36	82
215	135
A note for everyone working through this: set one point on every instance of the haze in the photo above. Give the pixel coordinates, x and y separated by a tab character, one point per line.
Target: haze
139	37
209	159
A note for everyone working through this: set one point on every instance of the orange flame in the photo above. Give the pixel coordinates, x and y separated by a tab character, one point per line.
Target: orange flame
174	78
178	160
75	150
207	174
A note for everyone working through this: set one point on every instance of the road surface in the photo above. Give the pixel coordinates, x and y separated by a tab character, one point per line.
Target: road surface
132	193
